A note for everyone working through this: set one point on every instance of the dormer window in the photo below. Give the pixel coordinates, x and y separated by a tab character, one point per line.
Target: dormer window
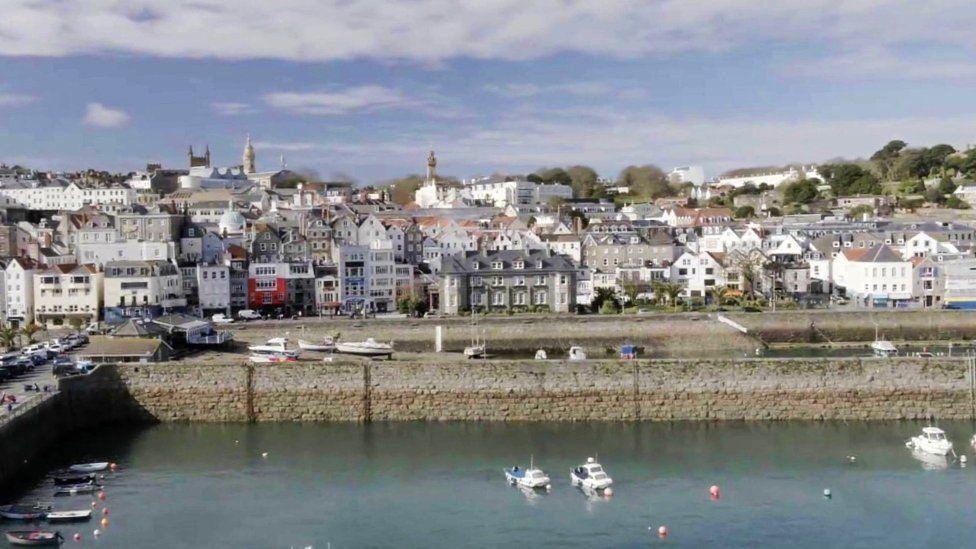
475	266
518	265
496	265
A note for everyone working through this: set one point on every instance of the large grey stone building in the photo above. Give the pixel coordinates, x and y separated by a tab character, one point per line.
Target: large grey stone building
507	279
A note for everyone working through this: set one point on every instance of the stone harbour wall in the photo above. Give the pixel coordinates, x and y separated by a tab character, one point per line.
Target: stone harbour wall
663	390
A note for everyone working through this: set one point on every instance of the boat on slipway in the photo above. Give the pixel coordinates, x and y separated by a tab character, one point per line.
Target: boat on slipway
270	358
370	347
327	345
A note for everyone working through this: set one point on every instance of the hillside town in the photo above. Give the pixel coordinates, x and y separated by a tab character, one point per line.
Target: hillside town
207	242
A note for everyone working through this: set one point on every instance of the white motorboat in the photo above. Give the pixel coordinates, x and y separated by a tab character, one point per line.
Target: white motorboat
475	351
69	516
590	475
528	478
275	345
576	353
932	441
75	489
884	348
327	345
370	347
541	355
270	358
89	467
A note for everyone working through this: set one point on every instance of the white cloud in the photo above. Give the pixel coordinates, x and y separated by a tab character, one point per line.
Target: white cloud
357	99
431	31
232	108
100	116
15	99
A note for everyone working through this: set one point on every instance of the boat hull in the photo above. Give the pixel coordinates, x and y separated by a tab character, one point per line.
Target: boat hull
589	482
89	467
69	516
33	539
923	445
355	349
316	347
524	482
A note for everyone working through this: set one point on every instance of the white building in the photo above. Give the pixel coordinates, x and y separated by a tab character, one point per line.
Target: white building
687	174
143	284
61	195
877	276
367	274
515	191
66	292
127	250
213	288
772	178
19	290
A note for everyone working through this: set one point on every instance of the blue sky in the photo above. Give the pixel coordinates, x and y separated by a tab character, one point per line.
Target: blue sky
365	88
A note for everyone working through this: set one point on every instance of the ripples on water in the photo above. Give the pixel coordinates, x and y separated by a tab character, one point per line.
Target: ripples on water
441	485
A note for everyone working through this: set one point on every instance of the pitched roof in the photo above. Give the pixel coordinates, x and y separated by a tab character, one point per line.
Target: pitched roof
877	254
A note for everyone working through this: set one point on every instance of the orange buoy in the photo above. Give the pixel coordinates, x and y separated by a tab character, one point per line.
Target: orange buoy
101	495
113	467
105	522
662	531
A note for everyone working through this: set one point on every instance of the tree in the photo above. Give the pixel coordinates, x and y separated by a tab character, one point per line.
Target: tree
583	179
555	175
645	181
946	186
30	330
8	335
934	196
956	203
803	191
885	157
76	323
858	212
600	296
632	289
720	294
671	291
744	212
402	190
849	179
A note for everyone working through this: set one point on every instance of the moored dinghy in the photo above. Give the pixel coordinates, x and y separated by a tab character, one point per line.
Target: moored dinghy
72	478
89	467
33	538
79	515
23	512
75	489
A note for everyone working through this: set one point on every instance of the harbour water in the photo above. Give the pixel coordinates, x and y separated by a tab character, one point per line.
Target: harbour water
441	485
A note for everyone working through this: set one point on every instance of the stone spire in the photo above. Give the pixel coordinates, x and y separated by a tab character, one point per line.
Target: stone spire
431	167
249	156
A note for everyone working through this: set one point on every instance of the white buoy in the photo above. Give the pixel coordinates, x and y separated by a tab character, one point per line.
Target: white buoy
548	487
962	458
264	454
826	492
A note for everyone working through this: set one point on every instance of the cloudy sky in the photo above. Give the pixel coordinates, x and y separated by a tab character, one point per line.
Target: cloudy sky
366	87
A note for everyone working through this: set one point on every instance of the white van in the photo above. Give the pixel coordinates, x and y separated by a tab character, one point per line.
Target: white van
248	314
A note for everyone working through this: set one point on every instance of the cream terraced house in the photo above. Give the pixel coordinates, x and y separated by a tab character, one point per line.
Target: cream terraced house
508	280
64	292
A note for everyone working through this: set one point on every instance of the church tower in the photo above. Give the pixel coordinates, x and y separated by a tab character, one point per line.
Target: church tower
431	167
249	157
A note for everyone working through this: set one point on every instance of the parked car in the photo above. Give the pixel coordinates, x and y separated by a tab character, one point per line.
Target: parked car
64	367
55	346
248	314
221	318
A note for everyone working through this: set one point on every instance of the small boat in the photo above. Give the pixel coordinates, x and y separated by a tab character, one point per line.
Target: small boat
75	489
326	346
528	478
89	467
61	480
883	348
475	351
541	355
270	358
79	515
370	347
34	538
23	512
590	475
932	441
275	345
576	353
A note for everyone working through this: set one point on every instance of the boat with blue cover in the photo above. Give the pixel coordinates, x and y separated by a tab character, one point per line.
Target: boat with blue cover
528	478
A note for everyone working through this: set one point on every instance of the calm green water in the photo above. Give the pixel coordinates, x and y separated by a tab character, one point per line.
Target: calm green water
441	485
